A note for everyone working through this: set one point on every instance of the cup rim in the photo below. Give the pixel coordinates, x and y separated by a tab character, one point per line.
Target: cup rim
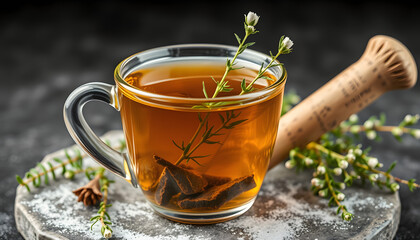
248	97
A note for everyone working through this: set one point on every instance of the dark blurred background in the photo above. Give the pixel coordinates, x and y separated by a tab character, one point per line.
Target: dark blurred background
48	48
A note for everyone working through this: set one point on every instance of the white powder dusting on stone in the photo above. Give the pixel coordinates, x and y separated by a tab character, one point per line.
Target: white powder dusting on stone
284	210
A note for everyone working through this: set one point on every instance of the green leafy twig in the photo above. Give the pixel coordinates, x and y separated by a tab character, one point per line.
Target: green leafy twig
335	152
377	124
222	85
35	175
103	216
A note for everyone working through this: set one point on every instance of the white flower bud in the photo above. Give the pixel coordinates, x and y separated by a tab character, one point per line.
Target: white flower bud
358	152
397	131
371	135
368	124
347	216
353	118
351	156
380	165
290	164
373	177
408	118
343	164
416	134
341	196
250	29
287	42
251	19
320	170
355	129
338	171
69	174
315	182
308	161
107	233
372	162
323	193
342	186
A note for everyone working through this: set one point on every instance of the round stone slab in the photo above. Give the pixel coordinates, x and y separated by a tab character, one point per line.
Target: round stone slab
285	209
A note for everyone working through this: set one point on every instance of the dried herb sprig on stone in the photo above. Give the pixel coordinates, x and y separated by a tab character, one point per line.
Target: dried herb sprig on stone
338	161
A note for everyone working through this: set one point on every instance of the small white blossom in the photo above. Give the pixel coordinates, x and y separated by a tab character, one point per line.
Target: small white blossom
358	152
416	134
322	193
397	131
353	118
69	174
343	164
380	165
287	42
308	161
373	177
351	156
107	233
369	124
342	185
290	164
371	135
355	129
315	182
341	196
338	171
408	118
250	29
347	216
251	19
372	162
320	170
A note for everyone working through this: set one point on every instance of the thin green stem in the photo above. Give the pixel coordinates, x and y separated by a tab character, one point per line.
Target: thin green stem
314	145
261	73
184	154
229	68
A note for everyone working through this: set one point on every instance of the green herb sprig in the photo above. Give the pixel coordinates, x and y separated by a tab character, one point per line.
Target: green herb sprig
71	166
222	85
338	161
103	216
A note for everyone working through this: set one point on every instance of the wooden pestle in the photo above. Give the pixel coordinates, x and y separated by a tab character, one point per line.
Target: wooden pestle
385	65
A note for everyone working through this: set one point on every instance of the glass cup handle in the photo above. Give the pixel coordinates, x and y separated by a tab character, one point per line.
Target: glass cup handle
83	135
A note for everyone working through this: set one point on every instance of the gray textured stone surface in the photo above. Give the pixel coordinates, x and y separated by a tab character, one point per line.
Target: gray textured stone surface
284	209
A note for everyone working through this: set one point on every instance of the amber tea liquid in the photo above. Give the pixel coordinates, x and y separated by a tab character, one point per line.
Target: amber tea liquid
151	129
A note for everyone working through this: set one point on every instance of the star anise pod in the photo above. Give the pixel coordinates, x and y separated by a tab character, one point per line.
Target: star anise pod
89	194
